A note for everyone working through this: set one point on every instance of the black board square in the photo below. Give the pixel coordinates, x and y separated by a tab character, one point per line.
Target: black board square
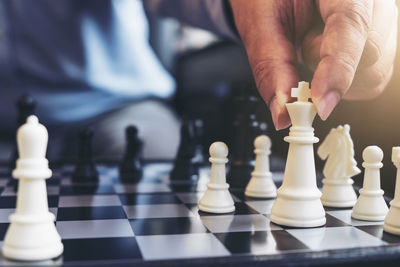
260	242
148	199
101	249
90	213
86	190
167	226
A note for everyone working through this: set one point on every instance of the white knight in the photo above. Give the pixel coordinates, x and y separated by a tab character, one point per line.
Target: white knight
338	151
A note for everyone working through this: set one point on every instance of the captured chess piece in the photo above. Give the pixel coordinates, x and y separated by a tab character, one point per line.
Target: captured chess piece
217	198
392	220
337	189
184	166
371	205
261	184
298	203
25	106
32	235
130	169
246	128
85	169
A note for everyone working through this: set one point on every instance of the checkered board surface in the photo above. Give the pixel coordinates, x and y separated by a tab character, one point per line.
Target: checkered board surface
156	221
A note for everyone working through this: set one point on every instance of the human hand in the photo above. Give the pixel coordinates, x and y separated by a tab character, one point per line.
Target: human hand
349	44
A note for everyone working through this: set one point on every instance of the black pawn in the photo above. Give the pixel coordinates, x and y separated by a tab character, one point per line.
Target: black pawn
85	169
246	128
130	169
184	167
25	107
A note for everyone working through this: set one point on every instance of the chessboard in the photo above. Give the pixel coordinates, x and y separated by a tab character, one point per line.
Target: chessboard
156	222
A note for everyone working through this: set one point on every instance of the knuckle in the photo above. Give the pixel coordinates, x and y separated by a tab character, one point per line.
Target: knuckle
358	14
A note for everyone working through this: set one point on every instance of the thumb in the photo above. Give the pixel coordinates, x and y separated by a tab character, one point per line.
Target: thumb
270	51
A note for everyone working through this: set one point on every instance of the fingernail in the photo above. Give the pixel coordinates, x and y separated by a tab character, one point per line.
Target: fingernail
327	103
280	118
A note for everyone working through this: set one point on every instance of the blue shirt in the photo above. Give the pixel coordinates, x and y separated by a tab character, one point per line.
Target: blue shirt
78	59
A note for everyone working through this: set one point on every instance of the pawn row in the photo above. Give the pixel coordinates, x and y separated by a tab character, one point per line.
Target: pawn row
369	206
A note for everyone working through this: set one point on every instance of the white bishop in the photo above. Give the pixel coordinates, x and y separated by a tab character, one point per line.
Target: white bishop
32	234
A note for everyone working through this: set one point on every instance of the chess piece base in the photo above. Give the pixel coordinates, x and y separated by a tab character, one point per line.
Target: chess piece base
298	212
338	193
370	206
217	199
32	238
261	186
392	220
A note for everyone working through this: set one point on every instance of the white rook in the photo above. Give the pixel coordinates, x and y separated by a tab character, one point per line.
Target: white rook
32	234
298	203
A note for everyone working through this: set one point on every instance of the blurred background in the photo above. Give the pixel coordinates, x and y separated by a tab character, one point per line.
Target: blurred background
211	73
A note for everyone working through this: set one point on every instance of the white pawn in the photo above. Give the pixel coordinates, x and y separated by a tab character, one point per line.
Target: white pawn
392	220
370	205
261	184
32	235
217	198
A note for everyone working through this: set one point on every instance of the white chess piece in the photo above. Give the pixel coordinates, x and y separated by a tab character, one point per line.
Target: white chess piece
370	205
261	184
392	220
217	198
337	189
32	234
298	203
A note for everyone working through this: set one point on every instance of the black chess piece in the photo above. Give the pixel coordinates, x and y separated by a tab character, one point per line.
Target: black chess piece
85	169
130	169
198	130
25	106
246	128
184	167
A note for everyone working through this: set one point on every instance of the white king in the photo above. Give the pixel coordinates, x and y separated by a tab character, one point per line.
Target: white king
298	203
32	234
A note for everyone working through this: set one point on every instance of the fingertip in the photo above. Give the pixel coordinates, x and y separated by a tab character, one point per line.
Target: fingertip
327	103
280	116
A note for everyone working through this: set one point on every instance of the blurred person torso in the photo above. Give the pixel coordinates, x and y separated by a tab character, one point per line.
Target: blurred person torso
78	59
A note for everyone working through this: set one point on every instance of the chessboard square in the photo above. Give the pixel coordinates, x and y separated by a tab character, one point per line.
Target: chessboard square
260	242
144	199
87	189
238	223
95	249
141	188
90	213
261	206
94	229
5	214
3	230
194	197
89	201
167	226
345	216
4	182
8	202
163	247
323	238
157	211
332	221
377	231
240	209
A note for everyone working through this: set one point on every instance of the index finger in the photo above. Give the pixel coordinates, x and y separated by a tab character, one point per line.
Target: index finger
346	29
